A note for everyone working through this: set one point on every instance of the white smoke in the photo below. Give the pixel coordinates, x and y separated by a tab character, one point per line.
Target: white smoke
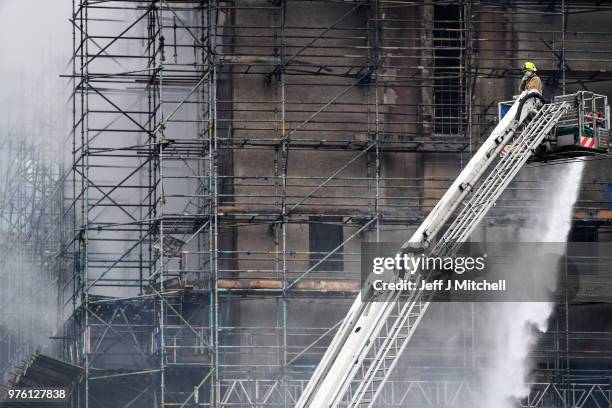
34	109
516	325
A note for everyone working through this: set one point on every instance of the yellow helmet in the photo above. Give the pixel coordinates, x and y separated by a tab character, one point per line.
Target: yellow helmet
529	66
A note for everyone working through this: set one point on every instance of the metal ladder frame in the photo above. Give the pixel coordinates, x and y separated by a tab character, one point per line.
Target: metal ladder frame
392	339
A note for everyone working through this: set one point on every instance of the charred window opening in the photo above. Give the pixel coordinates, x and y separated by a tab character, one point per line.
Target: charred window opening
448	81
325	235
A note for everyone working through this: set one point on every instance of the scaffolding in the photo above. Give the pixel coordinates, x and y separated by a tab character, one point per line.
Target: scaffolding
228	157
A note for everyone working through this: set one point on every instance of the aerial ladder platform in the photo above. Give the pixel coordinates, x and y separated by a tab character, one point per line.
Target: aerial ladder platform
374	334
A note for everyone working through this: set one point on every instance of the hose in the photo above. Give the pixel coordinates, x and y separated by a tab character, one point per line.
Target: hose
525	98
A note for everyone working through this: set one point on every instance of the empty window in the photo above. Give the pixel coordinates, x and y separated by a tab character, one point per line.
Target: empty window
448	82
325	235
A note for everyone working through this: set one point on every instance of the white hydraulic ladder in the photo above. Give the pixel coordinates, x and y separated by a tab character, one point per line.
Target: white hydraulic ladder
406	310
520	150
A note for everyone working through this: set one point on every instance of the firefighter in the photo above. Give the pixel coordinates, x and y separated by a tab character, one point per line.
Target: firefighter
530	80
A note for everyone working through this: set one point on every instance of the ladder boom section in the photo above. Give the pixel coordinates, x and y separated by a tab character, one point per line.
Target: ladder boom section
473	171
520	149
373	334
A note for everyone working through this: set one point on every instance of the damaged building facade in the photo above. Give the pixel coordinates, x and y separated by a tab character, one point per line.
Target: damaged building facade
228	159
